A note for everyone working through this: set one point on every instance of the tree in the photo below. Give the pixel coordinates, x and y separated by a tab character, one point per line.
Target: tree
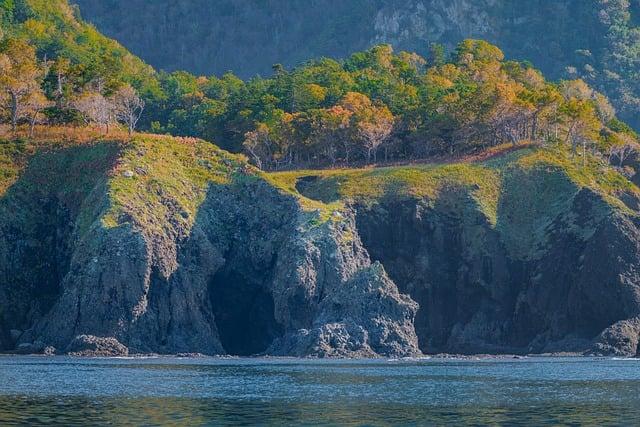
477	50
373	124
327	132
375	127
258	144
582	121
307	96
20	78
95	108
625	146
60	70
127	107
33	107
437	54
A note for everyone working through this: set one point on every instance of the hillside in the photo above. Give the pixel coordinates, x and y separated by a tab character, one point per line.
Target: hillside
54	28
168	245
376	104
594	40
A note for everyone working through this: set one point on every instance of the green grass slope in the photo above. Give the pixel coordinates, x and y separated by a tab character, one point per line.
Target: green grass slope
152	182
520	193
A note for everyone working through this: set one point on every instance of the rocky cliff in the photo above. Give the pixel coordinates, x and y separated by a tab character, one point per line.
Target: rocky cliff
163	245
168	246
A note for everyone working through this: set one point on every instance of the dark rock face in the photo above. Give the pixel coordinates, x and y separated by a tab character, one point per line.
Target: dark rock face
477	296
254	274
37	234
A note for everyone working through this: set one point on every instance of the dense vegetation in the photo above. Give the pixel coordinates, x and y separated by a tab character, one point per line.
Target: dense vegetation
378	104
375	105
598	41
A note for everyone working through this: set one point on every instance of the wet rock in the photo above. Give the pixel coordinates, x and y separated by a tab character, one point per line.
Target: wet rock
621	339
91	346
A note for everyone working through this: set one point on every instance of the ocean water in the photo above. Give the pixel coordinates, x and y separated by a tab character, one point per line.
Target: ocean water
211	391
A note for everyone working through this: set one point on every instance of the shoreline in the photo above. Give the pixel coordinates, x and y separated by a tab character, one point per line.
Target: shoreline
426	357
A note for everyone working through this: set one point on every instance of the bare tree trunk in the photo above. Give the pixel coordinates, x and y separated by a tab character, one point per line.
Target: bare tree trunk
14	111
574	147
570	134
32	123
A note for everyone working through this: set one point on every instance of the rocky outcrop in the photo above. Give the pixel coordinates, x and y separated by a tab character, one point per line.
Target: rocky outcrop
251	273
90	346
236	264
480	293
621	339
364	317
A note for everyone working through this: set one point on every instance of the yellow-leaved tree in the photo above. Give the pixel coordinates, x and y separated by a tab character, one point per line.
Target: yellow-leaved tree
20	81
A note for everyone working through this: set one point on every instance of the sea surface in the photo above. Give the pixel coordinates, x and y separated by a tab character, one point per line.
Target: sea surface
210	391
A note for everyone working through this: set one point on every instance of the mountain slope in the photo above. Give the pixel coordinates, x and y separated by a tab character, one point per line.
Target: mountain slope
598	41
55	29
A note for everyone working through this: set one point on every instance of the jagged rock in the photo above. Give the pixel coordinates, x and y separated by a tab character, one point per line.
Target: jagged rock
91	346
621	339
366	317
190	355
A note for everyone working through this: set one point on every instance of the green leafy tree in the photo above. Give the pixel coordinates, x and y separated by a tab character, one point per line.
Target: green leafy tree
20	79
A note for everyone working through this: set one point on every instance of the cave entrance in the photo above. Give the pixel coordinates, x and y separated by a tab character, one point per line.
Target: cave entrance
244	314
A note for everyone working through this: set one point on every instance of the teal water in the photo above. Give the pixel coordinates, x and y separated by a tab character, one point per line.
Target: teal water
208	391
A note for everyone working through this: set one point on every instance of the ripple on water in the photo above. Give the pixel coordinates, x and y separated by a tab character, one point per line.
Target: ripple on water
208	391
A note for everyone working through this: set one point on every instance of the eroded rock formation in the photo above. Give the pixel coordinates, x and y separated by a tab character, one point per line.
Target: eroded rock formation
249	269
